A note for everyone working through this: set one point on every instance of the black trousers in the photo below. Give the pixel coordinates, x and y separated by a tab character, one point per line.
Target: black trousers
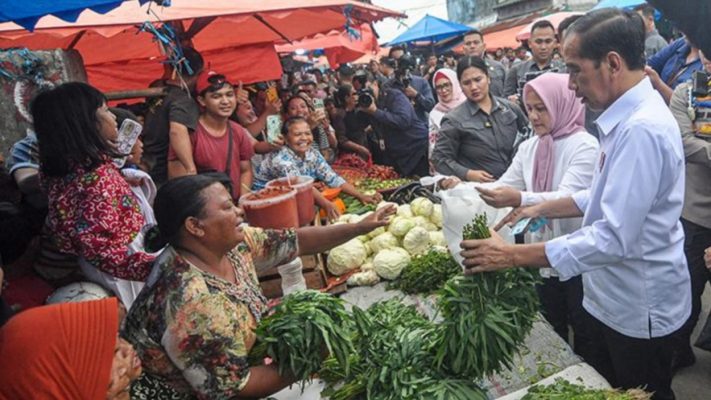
562	306
628	362
698	238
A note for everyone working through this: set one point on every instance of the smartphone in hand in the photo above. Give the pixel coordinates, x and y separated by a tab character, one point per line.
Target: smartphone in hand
318	104
272	94
127	135
273	128
528	225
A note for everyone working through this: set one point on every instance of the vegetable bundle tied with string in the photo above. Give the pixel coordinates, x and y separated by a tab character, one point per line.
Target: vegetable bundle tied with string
486	316
303	328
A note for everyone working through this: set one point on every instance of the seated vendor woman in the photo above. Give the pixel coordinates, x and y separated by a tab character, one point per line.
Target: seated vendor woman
298	157
193	323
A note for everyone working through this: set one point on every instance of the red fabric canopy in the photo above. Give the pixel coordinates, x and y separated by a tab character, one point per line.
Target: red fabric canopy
234	35
339	46
501	39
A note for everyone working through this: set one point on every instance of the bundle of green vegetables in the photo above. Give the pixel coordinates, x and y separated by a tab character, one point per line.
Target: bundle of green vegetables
303	327
395	347
427	273
565	390
354	206
486	316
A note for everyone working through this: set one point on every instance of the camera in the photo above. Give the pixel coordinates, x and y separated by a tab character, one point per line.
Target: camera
404	77
360	79
529	76
700	84
365	97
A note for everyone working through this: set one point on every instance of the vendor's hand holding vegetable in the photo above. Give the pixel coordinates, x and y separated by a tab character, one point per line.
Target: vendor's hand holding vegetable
501	197
377	219
479	176
363	152
332	212
371	199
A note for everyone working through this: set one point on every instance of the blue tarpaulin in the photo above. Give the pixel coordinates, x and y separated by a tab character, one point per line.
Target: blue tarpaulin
432	29
618	3
26	13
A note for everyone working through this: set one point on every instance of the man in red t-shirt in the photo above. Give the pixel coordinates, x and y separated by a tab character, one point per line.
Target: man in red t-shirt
210	140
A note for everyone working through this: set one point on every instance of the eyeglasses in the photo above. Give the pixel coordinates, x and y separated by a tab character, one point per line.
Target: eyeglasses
443	86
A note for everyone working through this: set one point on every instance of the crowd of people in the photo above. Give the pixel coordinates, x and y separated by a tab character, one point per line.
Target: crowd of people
604	130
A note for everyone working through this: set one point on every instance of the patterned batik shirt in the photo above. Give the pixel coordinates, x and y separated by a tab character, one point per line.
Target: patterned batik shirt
94	214
285	162
193	330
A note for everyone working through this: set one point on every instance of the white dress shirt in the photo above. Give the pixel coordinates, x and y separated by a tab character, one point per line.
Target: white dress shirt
630	249
575	158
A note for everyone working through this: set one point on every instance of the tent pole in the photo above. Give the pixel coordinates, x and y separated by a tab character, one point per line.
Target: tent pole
260	19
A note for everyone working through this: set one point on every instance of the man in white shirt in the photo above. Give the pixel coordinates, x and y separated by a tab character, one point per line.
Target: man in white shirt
630	250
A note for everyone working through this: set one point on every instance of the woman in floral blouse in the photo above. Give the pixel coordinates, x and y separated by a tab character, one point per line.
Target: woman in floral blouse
299	158
92	211
193	323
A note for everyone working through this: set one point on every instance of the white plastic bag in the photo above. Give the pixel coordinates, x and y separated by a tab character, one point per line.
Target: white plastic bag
459	206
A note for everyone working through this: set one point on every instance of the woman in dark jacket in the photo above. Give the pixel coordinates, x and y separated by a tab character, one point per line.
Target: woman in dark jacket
478	139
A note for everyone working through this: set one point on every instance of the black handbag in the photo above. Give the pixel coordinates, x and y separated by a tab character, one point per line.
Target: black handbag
223	177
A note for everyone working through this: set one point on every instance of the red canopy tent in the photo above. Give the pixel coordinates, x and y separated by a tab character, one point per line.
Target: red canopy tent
235	37
340	47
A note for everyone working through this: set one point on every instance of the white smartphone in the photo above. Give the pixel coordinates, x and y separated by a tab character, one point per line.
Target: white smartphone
127	135
273	128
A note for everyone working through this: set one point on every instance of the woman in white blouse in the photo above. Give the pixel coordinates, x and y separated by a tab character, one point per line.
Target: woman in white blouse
557	162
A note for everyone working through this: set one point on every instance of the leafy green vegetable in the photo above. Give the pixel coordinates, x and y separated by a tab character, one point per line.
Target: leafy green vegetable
486	316
393	360
378	184
564	390
303	327
427	273
354	206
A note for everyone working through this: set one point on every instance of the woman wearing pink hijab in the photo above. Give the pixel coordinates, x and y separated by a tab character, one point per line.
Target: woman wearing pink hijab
557	162
450	95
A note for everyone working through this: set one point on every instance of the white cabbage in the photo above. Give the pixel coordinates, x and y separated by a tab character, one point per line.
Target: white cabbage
399	226
389	263
422	206
417	241
346	257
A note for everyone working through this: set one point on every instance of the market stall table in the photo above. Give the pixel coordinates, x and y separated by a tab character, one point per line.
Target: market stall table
543	354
